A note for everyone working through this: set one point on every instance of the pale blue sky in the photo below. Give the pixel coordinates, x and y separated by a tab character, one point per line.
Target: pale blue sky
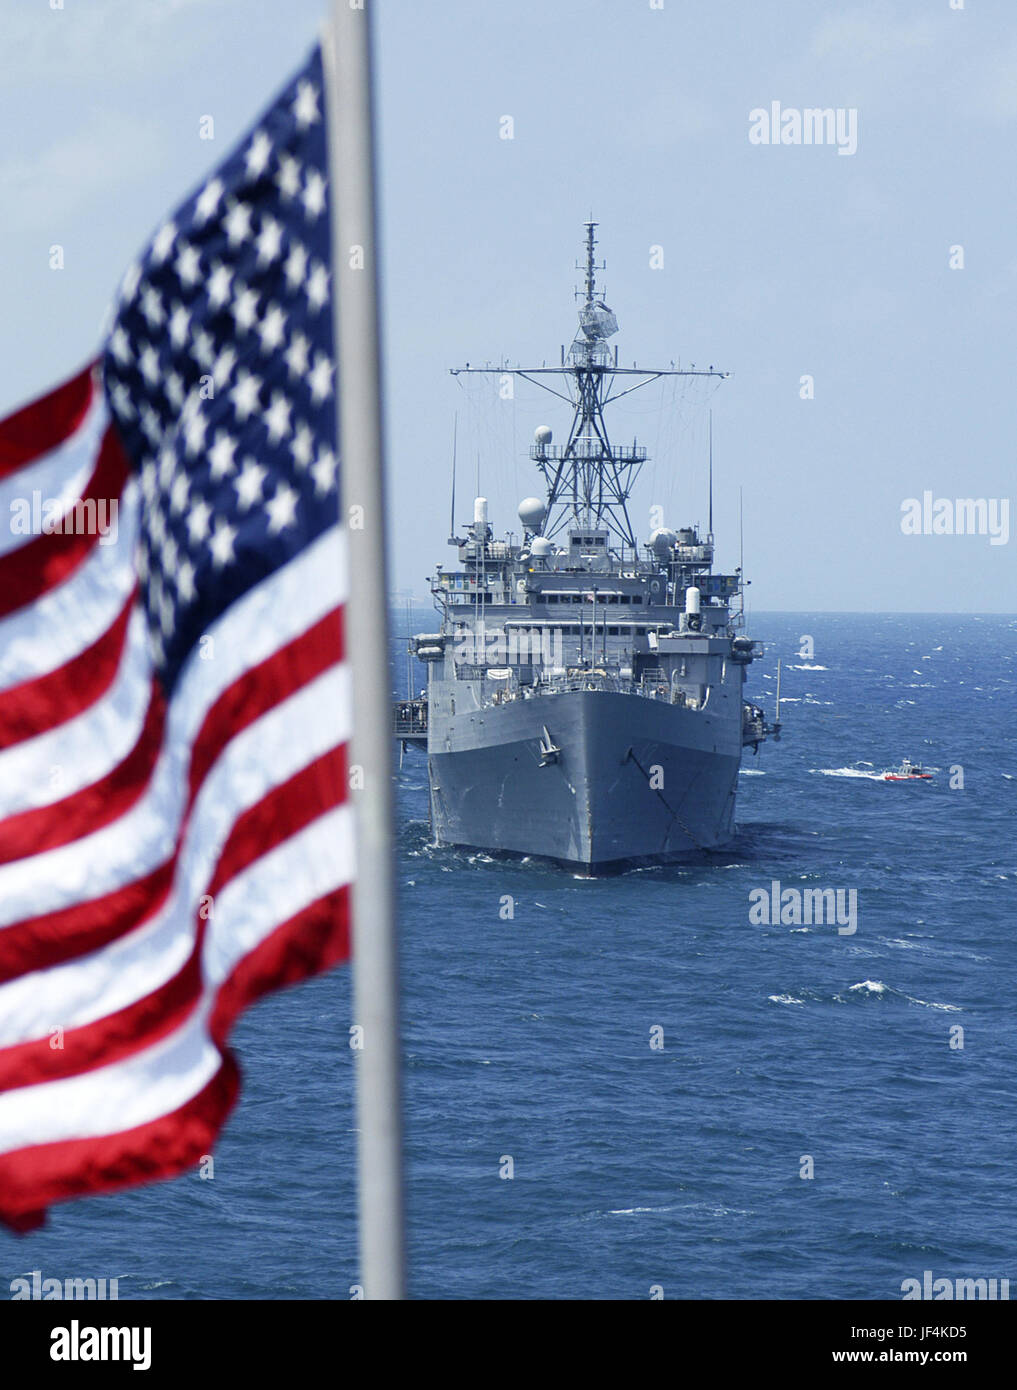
778	261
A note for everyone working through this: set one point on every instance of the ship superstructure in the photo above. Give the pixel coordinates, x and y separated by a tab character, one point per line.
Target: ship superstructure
584	696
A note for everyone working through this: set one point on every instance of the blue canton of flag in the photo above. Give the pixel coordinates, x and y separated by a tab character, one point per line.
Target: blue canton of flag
220	376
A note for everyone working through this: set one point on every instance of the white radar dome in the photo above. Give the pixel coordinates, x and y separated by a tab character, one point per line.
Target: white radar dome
661	542
540	545
531	513
543	434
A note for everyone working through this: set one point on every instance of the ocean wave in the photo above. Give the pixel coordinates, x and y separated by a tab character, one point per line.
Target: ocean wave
867	989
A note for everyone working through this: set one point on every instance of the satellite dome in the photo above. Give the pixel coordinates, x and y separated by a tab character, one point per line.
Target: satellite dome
531	513
661	542
541	546
543	434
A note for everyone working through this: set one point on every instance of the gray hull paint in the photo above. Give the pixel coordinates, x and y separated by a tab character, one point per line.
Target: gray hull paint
636	780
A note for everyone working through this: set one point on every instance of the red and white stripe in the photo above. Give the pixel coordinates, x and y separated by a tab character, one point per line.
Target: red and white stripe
162	863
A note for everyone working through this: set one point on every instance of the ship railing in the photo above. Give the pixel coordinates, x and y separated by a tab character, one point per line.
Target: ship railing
593	679
588	451
409	718
560	685
653	686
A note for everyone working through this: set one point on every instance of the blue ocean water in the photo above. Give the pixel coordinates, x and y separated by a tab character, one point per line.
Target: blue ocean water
529	1038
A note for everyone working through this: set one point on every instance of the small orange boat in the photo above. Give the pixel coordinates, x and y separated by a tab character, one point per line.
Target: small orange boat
907	772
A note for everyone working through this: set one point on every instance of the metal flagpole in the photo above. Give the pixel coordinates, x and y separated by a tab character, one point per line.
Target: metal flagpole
347	59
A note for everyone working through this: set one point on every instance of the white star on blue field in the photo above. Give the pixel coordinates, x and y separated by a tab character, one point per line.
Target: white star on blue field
220	375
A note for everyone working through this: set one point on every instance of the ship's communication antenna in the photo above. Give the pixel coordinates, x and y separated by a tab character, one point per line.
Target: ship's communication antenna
711	475
455	433
741	540
591	264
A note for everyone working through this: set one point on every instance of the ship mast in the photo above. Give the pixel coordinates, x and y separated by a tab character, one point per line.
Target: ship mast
589	479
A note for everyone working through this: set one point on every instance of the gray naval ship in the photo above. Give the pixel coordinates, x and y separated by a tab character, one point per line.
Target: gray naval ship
584	697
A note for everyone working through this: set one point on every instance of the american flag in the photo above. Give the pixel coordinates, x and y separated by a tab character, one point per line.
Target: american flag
174	834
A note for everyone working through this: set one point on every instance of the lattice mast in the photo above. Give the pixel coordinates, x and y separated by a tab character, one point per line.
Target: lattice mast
589	479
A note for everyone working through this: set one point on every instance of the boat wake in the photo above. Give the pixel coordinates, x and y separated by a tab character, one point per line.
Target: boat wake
848	772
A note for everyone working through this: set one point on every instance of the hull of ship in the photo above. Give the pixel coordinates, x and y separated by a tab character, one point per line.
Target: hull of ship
633	781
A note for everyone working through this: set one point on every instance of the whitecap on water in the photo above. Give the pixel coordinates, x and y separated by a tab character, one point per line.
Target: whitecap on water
877	987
